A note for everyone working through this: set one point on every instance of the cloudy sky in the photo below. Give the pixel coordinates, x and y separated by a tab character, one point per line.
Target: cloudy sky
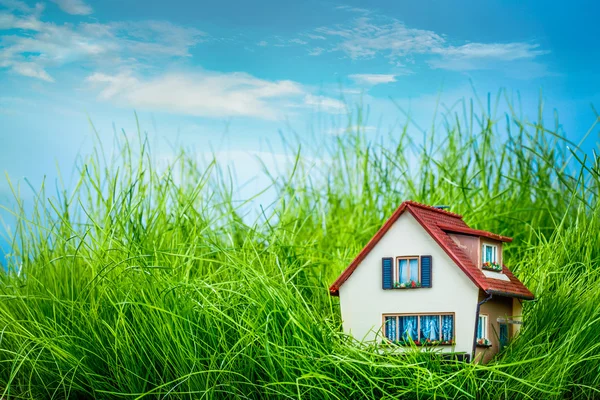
196	70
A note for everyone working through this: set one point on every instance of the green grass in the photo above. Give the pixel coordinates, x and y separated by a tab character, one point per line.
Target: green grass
148	282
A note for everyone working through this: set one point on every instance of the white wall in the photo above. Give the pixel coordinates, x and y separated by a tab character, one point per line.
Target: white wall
363	301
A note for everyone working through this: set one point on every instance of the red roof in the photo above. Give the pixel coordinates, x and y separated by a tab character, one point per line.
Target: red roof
473	232
437	223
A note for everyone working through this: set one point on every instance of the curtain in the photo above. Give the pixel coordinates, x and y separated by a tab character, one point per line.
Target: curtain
402	270
489	255
448	327
414	270
479	327
408	327
390	328
430	327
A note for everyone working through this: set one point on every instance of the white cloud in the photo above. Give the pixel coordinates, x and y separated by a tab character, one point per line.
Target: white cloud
325	104
357	10
298	41
74	7
315	37
155	38
32	70
210	94
262	43
365	39
20	6
482	56
47	45
373	79
202	94
381	36
503	51
10	21
316	51
351	91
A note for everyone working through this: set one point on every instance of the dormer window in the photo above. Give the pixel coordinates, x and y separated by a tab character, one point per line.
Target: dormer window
489	253
490	259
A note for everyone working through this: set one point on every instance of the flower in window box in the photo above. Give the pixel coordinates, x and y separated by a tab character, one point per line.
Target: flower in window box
402	285
493	266
449	341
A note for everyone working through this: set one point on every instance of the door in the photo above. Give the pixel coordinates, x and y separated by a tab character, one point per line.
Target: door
503	336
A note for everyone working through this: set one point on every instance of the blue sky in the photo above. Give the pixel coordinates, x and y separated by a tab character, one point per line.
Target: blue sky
195	70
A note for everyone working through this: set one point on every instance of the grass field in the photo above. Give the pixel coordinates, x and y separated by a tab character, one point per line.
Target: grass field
153	282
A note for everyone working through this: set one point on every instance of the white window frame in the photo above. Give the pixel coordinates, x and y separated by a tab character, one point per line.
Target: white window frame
484	329
494	253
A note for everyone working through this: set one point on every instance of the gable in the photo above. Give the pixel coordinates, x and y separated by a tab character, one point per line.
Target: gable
405	238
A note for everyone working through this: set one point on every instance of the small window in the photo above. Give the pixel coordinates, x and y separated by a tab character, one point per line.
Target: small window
407	271
482	332
489	254
482	327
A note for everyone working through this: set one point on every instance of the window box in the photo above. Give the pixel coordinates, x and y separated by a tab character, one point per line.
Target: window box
483	342
407	285
492	266
427	342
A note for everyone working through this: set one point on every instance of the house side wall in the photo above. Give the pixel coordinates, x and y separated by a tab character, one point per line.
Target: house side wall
517	314
497	307
363	301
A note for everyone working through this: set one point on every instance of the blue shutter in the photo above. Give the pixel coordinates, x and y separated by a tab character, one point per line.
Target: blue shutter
426	271
386	268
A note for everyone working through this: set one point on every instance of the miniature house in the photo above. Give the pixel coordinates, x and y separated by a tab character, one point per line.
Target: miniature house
426	278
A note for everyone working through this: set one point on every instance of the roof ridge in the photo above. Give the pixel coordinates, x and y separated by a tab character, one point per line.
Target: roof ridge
432	208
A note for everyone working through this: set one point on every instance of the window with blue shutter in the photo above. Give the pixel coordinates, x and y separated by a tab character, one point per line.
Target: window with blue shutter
425	271
386	266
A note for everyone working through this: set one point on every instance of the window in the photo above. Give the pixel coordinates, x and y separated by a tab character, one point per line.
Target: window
489	254
482	327
422	329
482	331
407	270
